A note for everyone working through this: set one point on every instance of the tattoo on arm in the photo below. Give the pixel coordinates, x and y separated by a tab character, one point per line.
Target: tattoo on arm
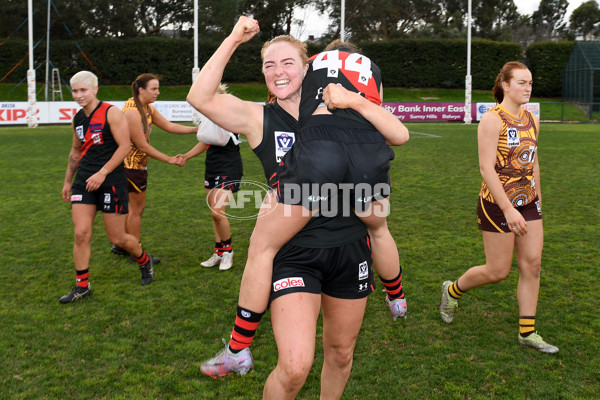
73	164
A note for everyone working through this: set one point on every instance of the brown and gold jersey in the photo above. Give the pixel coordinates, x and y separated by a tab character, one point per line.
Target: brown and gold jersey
515	155
137	159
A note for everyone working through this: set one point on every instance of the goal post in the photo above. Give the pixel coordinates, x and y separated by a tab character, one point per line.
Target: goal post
32	112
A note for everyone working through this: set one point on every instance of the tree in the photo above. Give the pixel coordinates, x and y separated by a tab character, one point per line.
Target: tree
274	16
585	20
494	19
388	19
548	21
14	14
446	19
112	18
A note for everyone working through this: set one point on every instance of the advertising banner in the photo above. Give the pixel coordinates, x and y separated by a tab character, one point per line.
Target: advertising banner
533	108
62	112
428	112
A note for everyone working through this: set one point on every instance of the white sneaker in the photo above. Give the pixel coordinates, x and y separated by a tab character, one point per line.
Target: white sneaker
448	304
534	340
397	307
226	261
226	362
212	261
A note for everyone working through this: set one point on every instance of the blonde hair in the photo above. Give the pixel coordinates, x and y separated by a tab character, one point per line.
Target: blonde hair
505	75
299	45
337	44
84	77
222	89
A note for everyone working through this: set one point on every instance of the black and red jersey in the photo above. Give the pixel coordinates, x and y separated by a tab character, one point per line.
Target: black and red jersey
279	134
353	71
98	144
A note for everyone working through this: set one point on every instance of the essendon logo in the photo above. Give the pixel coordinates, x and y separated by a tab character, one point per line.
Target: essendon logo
287	283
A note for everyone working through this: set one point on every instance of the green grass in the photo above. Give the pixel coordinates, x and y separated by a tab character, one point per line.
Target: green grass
551	109
133	342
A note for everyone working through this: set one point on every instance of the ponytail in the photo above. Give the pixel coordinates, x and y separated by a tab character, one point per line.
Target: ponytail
141	82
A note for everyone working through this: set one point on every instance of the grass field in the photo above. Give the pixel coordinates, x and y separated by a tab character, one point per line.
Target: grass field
133	342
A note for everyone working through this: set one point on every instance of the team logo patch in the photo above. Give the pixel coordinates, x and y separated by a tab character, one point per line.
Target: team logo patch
363	286
363	271
283	143
245	314
288	283
79	132
512	138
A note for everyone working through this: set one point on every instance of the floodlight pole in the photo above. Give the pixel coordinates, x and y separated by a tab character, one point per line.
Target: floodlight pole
47	51
468	79
195	70
32	117
343	21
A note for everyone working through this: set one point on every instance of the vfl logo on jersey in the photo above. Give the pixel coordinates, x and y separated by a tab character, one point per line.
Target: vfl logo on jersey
79	132
283	143
512	138
363	271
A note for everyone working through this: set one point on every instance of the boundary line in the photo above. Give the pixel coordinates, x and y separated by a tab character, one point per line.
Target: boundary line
423	134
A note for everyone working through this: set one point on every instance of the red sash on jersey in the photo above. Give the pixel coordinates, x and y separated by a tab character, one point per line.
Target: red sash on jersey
94	133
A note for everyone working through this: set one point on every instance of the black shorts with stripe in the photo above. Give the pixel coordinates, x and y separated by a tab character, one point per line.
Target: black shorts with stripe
490	217
110	199
225	182
344	272
137	180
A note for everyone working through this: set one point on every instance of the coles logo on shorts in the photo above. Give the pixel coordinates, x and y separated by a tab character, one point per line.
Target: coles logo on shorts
288	283
76	197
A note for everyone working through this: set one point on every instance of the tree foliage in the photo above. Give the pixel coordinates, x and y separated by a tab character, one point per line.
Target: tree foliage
275	16
548	21
585	19
364	19
123	19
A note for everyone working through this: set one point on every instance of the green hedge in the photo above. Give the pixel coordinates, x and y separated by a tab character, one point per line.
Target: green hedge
422	63
118	62
547	61
418	63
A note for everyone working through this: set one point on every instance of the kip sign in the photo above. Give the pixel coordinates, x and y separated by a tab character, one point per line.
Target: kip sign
62	112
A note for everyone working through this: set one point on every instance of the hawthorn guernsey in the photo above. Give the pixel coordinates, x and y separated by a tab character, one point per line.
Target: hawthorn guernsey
287	283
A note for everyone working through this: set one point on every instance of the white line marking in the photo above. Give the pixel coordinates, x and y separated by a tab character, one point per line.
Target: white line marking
424	134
